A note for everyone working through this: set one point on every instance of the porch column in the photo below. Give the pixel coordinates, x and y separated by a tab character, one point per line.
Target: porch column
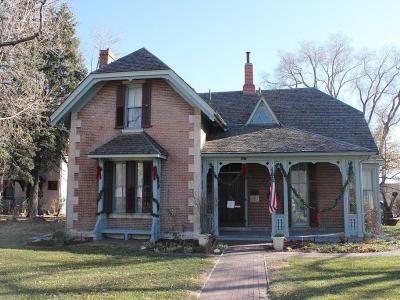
377	196
215	199
359	200
101	217
344	170
286	200
156	209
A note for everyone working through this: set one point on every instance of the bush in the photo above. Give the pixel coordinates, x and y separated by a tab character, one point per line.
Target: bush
60	238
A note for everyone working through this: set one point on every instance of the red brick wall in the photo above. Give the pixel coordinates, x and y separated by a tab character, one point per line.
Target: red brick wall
170	124
328	186
141	224
259	178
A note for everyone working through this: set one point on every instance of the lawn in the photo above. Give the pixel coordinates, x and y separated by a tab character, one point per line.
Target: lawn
90	271
392	231
335	278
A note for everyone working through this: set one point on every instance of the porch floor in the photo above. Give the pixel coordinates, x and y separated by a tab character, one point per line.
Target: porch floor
315	235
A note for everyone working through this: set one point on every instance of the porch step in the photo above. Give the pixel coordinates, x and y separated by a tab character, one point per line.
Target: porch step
125	232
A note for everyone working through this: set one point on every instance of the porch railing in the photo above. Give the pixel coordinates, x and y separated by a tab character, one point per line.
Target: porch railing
353	224
280	224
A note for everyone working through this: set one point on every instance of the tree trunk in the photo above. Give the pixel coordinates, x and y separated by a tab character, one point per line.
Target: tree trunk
1	193
34	198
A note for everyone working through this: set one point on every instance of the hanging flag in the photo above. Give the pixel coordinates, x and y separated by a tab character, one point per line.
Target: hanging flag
273	199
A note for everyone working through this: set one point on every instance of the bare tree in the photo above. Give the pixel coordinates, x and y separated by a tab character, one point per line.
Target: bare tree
378	84
329	66
21	21
102	39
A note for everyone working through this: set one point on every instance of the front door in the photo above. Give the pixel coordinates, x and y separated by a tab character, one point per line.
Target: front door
299	180
231	199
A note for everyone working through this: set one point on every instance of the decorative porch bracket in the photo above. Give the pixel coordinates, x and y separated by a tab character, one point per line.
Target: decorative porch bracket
155	224
101	217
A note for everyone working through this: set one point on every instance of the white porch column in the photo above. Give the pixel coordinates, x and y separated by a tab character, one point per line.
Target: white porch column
286	199
359	200
271	170
215	199
101	217
344	170
156	209
377	196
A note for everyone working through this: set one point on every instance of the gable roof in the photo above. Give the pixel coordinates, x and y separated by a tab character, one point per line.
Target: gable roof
261	139
306	109
130	144
140	64
140	60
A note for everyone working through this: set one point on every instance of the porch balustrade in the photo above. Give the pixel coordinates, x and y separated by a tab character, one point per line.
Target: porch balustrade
352	224
280	223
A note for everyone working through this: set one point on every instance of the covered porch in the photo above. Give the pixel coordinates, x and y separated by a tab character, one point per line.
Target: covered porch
319	197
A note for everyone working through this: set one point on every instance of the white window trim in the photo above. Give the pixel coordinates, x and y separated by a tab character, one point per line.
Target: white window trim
269	110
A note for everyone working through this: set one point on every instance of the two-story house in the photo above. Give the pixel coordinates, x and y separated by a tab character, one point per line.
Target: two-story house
149	155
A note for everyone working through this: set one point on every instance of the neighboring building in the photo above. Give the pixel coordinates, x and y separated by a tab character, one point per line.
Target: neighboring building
52	193
138	131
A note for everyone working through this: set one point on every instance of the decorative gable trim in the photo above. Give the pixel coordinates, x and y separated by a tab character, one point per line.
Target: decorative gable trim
271	114
94	81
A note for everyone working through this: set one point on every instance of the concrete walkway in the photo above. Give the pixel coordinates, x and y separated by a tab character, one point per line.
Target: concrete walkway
239	274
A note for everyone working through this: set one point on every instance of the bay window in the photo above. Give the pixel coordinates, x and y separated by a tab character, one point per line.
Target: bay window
132	187
369	186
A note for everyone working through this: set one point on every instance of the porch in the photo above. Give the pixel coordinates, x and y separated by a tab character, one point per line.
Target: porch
330	203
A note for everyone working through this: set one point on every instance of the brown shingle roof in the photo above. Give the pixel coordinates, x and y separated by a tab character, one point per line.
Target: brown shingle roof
129	144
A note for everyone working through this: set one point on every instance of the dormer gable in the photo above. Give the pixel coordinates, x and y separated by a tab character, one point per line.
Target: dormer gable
262	114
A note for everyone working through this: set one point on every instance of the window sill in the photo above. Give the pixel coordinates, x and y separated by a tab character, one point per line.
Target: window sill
130	216
132	130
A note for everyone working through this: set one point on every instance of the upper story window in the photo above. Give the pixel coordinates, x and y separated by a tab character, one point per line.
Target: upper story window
134	107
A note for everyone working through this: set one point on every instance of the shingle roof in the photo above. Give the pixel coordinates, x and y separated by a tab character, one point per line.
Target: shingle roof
130	143
308	109
261	139
140	60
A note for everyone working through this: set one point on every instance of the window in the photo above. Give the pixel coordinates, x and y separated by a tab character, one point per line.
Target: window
261	115
298	179
132	187
368	185
52	185
134	106
120	188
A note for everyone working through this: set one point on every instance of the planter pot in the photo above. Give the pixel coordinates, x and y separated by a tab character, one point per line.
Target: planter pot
278	242
203	239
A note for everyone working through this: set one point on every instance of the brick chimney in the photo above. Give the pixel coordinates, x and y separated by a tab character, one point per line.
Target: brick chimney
248	87
105	57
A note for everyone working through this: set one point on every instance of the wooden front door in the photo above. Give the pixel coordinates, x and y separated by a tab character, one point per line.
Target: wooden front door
231	199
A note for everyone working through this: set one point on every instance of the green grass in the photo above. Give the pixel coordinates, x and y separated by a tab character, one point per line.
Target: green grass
336	278
392	231
90	271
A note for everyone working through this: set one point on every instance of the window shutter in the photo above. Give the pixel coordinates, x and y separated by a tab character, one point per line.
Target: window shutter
147	186
108	186
120	107
146	105
130	186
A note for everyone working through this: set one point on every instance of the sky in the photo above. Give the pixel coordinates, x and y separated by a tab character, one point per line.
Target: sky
205	41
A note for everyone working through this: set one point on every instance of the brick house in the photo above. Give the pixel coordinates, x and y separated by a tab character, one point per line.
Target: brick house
149	155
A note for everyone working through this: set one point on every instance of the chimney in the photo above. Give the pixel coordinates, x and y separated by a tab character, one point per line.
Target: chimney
105	57
248	87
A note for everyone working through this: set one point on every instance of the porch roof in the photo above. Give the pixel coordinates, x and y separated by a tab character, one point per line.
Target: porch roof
130	144
261	139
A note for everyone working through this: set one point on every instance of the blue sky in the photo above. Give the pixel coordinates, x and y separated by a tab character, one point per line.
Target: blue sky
204	41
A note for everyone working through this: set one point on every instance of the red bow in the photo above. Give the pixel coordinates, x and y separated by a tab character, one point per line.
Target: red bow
244	170
98	173
317	216
154	172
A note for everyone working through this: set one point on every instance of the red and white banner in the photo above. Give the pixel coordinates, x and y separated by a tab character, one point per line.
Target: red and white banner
273	198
